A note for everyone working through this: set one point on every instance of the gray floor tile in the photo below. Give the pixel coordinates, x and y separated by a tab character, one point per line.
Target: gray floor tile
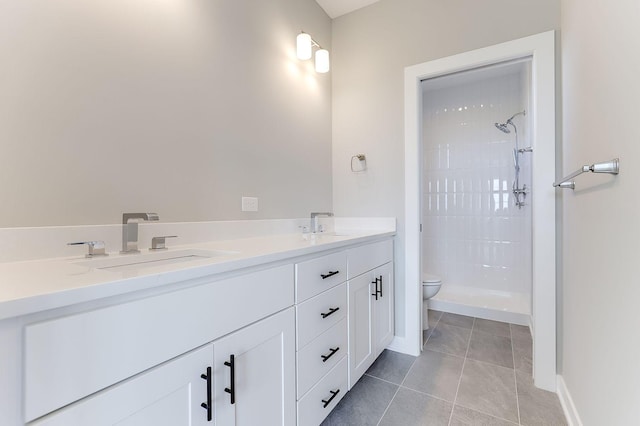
364	404
520	332
489	389
391	366
457	320
410	408
449	339
537	406
492	327
434	317
426	334
522	355
435	373
490	348
467	417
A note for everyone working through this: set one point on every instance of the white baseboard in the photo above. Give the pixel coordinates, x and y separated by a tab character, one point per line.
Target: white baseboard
570	412
400	344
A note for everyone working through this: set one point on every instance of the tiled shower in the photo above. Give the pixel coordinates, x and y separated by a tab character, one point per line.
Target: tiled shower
474	236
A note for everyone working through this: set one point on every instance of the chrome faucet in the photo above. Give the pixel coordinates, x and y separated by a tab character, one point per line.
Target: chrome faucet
130	230
314	220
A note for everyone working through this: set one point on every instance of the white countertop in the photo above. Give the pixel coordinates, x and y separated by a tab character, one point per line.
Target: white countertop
31	286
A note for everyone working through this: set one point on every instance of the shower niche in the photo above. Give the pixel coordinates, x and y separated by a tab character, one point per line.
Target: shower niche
476	190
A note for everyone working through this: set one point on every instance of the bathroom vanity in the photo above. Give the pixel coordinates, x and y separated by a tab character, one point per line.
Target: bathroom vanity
270	330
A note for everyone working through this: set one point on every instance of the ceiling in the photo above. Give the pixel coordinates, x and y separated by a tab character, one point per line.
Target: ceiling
335	8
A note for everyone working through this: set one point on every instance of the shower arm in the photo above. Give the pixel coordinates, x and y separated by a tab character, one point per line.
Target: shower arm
611	167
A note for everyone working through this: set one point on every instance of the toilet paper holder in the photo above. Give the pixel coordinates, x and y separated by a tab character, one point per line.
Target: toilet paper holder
358	163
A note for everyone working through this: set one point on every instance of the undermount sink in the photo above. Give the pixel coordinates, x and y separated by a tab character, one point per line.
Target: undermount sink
324	237
149	260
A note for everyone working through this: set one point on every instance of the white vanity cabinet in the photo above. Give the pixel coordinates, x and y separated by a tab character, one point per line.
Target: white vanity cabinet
71	357
371	305
241	379
171	394
321	317
253	378
265	342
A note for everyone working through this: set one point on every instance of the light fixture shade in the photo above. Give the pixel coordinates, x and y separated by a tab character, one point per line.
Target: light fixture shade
303	44
322	61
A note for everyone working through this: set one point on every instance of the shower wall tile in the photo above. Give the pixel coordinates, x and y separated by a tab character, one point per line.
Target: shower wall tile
474	235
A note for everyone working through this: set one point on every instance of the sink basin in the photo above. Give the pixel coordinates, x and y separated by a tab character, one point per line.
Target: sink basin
150	260
324	237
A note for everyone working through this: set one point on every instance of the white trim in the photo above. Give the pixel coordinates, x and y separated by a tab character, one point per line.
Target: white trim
400	344
569	408
541	48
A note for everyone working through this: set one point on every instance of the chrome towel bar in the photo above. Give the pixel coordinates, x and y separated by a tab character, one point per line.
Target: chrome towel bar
611	167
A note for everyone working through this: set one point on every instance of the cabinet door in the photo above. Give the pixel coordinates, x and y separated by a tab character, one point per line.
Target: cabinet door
168	395
361	340
257	385
383	308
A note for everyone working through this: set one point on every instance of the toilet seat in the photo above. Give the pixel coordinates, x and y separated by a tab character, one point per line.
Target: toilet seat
430	279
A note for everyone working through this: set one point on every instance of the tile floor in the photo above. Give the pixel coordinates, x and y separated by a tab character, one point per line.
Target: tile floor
472	372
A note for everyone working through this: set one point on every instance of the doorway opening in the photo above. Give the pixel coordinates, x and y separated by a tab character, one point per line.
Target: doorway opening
436	202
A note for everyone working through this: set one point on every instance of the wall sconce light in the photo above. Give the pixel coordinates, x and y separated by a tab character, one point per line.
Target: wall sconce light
305	45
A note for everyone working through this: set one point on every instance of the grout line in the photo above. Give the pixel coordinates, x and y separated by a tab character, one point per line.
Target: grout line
427	394
397	390
382	380
489	414
444	353
515	380
453	407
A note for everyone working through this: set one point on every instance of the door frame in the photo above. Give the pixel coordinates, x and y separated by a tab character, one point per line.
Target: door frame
541	49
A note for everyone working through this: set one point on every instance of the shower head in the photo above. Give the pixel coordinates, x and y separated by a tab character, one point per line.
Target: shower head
503	127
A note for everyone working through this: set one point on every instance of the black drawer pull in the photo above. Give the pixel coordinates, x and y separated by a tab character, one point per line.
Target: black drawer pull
380	284
331	353
376	293
231	390
330	274
208	405
328	401
331	311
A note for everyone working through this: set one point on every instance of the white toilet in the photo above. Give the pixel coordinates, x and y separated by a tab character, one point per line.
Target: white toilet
430	285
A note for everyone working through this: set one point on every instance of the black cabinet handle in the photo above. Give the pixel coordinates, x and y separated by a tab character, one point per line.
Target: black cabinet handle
331	353
328	401
231	390
208	405
380	284
331	311
376	293
330	274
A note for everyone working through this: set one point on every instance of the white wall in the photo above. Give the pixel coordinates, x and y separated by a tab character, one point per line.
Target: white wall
175	106
371	48
473	233
601	225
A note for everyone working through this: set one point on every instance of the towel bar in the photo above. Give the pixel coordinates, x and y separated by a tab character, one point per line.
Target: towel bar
611	167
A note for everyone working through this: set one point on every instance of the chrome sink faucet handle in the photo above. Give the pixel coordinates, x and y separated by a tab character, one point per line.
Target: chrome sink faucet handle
130	230
314	220
96	248
159	243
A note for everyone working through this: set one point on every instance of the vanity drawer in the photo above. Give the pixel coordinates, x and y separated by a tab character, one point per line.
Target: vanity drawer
317	275
318	357
311	408
317	315
368	257
71	357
